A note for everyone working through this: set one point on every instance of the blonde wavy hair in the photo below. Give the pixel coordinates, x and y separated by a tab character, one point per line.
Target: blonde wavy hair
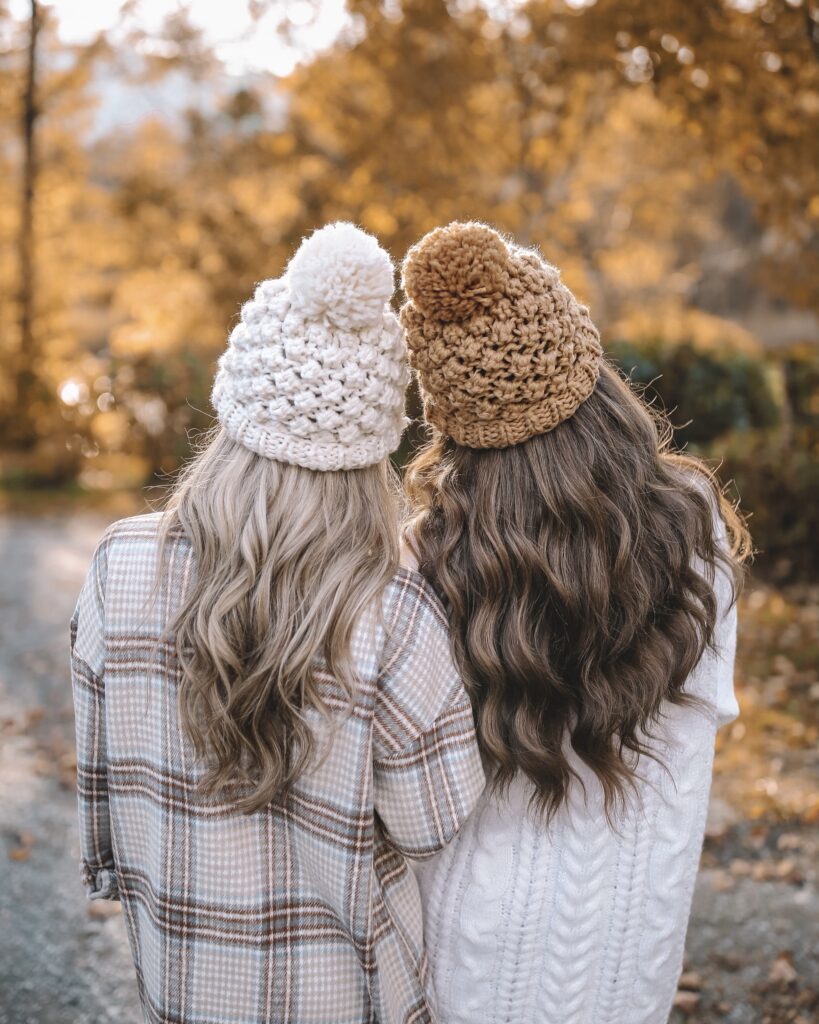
287	560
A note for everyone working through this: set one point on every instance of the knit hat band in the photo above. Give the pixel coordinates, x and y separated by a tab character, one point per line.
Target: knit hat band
517	423
315	370
502	348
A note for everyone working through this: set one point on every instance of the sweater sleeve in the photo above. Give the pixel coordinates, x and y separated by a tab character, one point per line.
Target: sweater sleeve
725	652
713	678
427	772
88	685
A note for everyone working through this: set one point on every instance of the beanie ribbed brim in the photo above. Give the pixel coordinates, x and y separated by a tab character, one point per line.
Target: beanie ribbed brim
325	456
519	423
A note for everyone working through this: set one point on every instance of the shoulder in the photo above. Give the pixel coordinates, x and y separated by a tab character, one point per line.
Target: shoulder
141	527
412	606
416	646
136	533
699	482
115	567
417	679
128	548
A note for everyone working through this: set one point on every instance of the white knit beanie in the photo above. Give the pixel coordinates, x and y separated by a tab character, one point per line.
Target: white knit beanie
315	371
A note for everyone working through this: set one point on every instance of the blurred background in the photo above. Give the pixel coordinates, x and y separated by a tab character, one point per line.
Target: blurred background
158	158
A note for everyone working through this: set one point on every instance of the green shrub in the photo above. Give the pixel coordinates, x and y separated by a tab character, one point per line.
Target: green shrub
757	420
800	367
776	477
705	392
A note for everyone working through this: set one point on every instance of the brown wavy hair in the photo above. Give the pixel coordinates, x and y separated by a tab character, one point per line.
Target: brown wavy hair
287	560
578	572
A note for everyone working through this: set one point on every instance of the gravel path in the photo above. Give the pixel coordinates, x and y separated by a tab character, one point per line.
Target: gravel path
59	963
65	961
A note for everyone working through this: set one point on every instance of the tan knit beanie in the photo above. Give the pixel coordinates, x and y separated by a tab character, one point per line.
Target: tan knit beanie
503	349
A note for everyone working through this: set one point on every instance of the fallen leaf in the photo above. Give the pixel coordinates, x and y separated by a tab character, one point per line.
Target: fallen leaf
721	881
687	1002
728	961
782	970
21	845
102	909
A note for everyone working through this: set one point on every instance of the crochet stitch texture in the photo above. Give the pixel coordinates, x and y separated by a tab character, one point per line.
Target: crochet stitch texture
315	371
503	349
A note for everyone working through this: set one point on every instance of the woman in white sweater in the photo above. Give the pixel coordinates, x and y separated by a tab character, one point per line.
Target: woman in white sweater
590	578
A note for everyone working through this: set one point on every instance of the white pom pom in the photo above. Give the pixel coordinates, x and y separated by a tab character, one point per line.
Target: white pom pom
342	273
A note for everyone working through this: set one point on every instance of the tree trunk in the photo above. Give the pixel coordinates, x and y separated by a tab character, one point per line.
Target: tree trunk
26	377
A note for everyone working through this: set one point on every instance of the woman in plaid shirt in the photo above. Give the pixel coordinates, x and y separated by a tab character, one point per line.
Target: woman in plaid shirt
268	719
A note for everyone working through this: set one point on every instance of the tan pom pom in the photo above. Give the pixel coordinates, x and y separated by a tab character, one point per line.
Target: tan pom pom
455	271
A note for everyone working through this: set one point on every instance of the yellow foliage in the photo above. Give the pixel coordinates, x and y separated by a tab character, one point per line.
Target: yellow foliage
110	429
674	324
650	151
161	311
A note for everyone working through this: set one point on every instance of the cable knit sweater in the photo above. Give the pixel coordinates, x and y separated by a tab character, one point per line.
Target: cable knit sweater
575	923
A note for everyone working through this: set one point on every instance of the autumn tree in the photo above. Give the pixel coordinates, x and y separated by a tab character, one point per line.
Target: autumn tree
635	144
53	210
745	79
434	111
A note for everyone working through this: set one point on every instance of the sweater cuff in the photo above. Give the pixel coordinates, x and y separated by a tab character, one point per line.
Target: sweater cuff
101	884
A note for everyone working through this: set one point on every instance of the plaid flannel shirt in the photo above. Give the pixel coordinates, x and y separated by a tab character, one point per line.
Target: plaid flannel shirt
305	912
